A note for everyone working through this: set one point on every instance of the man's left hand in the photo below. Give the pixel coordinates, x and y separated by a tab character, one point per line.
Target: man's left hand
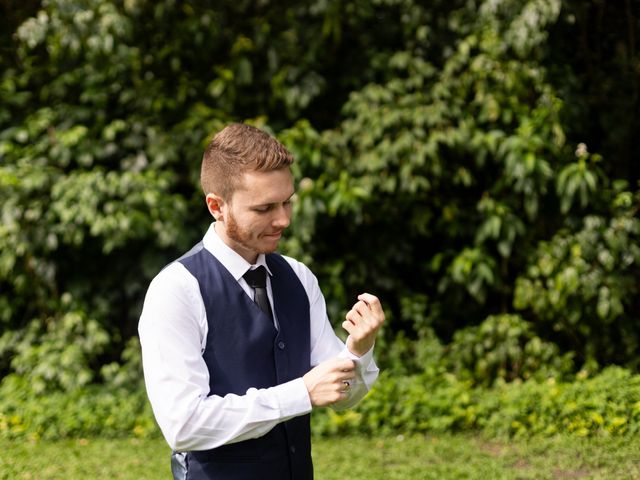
363	322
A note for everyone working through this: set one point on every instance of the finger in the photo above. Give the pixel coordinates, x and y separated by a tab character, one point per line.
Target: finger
344	365
360	307
371	300
349	326
375	313
368	298
357	330
368	312
347	372
361	319
348	377
353	316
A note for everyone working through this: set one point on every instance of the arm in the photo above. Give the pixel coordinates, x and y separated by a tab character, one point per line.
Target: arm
172	334
325	345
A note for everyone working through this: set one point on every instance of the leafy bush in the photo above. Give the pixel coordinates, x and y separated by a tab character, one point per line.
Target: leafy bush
605	404
585	285
447	159
504	347
58	354
94	410
116	406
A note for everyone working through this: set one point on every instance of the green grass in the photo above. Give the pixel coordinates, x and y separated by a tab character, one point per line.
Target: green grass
438	457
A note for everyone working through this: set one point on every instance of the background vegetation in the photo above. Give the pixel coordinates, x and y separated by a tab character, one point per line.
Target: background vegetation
471	162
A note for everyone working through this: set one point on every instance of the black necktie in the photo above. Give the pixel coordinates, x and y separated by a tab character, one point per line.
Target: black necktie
257	279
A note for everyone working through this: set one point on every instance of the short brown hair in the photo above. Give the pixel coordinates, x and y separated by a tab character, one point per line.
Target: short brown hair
236	149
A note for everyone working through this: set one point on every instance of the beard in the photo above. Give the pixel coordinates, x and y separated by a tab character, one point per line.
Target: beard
236	233
243	238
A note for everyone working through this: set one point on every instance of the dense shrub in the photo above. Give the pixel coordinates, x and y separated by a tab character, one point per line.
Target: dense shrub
607	403
117	406
584	285
88	411
504	347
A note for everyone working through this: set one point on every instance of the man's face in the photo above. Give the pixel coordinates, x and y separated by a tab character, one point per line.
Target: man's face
253	221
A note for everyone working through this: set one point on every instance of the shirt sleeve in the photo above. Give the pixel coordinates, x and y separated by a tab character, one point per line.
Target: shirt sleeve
172	331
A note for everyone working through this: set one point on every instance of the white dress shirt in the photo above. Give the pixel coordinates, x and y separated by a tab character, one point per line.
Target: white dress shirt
173	333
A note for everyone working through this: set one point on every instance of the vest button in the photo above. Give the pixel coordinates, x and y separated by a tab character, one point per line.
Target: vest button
281	345
292	449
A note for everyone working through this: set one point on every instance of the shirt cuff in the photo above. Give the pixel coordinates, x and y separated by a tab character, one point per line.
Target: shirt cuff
293	398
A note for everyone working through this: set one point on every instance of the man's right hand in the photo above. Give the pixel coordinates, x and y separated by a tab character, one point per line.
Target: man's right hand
326	383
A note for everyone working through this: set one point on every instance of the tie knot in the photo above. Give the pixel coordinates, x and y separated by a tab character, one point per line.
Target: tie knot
256	278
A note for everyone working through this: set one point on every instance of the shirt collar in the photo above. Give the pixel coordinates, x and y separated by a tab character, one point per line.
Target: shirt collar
229	258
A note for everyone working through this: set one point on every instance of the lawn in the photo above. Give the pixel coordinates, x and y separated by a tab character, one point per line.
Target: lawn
432	457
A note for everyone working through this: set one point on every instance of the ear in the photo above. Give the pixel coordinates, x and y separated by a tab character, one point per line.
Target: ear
216	206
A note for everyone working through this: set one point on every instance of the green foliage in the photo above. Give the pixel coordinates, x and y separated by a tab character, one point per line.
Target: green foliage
88	189
504	348
47	403
58	359
578	181
584	284
126	374
441	164
409	356
435	401
88	411
607	404
441	169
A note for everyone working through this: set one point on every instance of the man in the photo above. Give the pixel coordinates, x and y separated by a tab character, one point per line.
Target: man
234	365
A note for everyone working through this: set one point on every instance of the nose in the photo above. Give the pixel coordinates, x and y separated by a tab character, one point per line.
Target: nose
282	217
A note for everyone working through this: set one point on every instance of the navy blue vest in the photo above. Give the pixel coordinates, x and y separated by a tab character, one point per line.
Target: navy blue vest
245	350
